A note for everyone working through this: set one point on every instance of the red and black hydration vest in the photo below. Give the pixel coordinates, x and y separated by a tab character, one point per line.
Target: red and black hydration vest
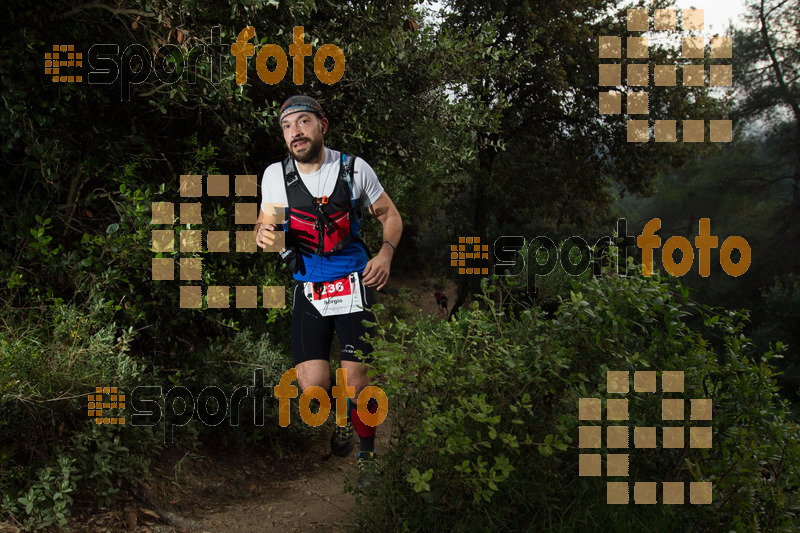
321	226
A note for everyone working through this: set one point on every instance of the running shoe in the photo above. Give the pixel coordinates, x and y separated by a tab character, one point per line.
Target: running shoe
368	474
342	440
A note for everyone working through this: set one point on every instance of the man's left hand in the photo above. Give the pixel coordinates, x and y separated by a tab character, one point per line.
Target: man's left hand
376	273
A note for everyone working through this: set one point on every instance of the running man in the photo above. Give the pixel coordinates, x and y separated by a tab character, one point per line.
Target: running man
335	280
438	295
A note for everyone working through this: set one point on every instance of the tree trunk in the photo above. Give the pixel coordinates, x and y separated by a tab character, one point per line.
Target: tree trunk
787	97
469	284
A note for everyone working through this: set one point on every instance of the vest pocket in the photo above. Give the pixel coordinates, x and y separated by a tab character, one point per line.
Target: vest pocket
337	239
303	227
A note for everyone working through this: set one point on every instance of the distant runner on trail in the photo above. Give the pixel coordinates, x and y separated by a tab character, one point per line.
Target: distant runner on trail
441	301
335	280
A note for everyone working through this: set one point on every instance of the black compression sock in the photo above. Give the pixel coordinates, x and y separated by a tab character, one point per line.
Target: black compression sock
366	444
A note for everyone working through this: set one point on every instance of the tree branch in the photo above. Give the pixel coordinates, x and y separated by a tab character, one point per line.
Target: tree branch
776	67
84	7
787	97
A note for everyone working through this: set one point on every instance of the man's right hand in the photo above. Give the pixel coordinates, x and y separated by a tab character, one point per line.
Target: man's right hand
265	235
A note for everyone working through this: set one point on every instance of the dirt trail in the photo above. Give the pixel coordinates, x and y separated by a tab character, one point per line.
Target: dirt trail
220	490
215	489
310	496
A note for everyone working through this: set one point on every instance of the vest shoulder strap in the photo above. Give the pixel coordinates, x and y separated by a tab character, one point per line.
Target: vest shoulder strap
346	173
290	175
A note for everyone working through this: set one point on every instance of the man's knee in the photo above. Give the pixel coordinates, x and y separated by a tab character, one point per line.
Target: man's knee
356	376
312	373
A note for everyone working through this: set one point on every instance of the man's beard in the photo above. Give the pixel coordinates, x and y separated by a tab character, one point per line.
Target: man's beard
311	151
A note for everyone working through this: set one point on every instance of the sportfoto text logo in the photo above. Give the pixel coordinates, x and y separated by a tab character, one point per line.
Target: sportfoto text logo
171	63
212	407
543	254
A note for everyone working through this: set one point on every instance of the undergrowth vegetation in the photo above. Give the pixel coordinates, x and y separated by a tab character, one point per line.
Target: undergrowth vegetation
53	454
485	414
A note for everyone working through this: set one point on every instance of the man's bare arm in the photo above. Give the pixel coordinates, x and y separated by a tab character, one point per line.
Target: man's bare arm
377	270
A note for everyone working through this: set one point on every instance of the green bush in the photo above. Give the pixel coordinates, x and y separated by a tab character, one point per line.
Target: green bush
93	316
48	501
777	318
397	305
484	415
232	364
52	452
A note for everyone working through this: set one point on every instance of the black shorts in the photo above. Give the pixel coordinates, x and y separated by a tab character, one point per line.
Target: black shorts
312	333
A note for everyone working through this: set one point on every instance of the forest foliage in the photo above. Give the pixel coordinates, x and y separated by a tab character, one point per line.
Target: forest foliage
480	119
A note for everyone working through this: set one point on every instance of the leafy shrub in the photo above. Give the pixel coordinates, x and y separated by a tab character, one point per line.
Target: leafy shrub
48	501
397	305
244	360
52	452
778	318
484	415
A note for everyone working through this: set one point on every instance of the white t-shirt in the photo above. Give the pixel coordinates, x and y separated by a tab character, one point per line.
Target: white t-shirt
322	182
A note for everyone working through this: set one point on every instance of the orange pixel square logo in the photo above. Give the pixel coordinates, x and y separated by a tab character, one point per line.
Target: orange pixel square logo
98	403
198	241
459	253
63	55
638	75
618	437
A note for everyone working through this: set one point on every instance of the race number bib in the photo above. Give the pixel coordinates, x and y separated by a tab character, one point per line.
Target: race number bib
338	297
